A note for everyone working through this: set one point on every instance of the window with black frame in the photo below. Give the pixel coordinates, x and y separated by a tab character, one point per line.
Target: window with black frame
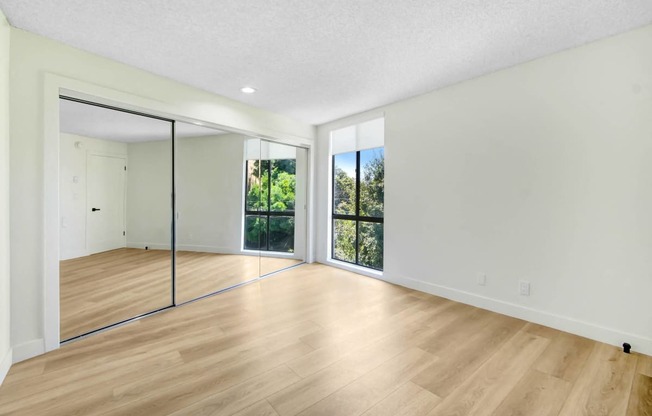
358	207
270	204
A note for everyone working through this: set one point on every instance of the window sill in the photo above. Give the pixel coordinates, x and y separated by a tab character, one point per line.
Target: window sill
355	268
265	253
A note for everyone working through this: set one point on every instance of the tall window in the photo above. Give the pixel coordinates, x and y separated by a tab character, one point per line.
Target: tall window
358	195
269	205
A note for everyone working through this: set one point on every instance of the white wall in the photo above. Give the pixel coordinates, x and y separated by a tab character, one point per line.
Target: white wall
149	192
210	180
72	194
210	175
210	186
34	240
541	172
209	193
5	344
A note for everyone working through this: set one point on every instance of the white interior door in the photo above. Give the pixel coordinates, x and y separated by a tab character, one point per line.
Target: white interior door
105	215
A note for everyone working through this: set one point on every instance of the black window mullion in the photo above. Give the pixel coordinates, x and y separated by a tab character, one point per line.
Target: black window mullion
357	207
269	199
356	218
272	213
333	206
332	239
357	184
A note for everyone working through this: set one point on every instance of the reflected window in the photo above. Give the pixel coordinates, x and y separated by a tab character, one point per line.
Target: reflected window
269	205
358	207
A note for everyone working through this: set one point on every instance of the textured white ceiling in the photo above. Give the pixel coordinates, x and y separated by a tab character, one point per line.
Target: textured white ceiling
106	124
321	60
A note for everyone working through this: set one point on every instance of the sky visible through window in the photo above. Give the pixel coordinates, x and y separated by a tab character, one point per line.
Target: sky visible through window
367	155
346	161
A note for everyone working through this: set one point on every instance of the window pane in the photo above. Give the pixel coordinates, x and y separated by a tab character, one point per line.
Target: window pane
252	200
281	234
264	185
344	240
371	245
255	232
344	184
284	181
372	182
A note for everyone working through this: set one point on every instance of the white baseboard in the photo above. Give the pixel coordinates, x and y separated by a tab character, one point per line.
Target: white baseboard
185	247
5	365
271	254
150	245
589	330
207	249
215	249
237	250
365	271
28	350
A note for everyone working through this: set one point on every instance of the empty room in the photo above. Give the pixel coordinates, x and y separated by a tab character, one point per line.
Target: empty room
412	208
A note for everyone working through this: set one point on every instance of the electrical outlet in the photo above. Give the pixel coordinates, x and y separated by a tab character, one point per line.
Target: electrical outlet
524	288
482	279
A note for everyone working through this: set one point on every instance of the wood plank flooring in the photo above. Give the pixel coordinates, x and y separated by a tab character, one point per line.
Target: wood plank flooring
109	287
315	340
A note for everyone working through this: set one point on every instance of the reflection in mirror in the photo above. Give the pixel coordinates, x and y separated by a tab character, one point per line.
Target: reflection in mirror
210	183
115	211
281	208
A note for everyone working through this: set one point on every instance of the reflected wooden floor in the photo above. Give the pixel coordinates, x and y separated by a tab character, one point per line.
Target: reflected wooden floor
110	287
315	340
202	273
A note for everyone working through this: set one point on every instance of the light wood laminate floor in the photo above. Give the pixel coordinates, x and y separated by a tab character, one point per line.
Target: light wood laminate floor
109	287
315	340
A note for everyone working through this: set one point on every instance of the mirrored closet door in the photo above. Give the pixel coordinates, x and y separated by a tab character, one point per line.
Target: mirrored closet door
210	184
156	213
116	217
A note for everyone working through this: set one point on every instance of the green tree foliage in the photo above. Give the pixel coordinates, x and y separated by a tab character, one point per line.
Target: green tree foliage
344	193
344	237
372	186
344	203
263	195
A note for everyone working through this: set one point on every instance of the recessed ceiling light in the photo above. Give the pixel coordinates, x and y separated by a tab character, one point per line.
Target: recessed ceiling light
248	90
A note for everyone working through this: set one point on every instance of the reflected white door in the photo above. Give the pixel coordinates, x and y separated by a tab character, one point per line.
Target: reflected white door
105	216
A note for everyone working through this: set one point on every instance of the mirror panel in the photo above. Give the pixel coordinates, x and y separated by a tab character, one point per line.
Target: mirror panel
214	170
115	211
283	206
239	213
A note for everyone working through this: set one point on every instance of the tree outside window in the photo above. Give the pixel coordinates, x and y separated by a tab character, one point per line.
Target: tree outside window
358	207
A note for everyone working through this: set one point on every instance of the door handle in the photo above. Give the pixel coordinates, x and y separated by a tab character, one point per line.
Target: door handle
95	209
